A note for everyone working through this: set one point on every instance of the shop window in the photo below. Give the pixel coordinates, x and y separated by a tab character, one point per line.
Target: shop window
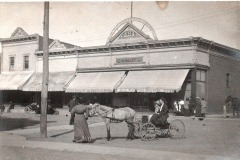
26	62
228	80
11	63
201	75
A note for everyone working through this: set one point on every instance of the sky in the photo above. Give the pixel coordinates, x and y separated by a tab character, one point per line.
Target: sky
90	23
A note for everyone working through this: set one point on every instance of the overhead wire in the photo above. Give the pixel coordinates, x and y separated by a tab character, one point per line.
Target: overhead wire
170	24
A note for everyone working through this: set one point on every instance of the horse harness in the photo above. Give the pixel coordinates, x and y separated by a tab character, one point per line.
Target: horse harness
112	119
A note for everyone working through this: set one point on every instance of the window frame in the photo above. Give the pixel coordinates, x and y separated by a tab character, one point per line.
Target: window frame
201	75
24	62
11	67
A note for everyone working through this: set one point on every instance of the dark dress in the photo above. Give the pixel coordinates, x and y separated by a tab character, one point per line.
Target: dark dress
160	118
79	114
198	108
72	103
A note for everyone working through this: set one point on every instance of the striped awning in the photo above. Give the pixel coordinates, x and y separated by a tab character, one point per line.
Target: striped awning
153	81
57	81
96	82
13	81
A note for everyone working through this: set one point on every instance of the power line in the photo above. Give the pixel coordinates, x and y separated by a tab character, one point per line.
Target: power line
170	24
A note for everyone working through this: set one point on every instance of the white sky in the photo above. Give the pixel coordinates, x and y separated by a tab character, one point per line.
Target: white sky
90	23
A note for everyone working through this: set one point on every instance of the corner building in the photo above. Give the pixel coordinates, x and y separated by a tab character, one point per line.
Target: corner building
134	69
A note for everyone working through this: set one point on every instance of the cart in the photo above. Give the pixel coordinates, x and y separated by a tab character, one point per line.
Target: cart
149	131
34	107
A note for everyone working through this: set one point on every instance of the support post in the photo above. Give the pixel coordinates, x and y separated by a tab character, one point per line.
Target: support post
194	86
44	93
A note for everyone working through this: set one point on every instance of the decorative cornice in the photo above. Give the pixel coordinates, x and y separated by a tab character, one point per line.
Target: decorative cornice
20	39
196	42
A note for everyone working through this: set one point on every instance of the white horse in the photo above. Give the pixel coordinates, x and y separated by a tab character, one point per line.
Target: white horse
110	114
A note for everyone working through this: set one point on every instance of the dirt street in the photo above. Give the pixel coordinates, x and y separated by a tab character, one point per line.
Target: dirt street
212	136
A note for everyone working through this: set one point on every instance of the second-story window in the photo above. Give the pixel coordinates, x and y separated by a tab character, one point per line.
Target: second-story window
201	75
26	62
11	63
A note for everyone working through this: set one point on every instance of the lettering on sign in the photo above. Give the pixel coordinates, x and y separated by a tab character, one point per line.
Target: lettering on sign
129	60
128	34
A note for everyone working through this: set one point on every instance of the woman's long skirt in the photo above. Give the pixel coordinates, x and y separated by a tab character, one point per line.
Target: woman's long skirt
81	130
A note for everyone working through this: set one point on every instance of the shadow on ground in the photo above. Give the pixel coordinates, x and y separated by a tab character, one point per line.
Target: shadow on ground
7	124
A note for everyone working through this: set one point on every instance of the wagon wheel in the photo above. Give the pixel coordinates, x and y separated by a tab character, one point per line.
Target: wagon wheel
137	129
176	129
27	109
162	132
148	131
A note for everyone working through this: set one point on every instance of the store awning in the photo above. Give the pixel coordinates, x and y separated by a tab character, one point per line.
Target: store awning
98	82
153	81
57	81
13	81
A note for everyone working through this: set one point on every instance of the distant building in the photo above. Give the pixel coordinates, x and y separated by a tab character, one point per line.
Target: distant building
132	69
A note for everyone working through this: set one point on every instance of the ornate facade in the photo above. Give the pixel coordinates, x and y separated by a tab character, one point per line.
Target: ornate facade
132	69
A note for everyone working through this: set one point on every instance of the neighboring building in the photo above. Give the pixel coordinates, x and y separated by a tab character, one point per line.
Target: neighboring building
18	64
134	69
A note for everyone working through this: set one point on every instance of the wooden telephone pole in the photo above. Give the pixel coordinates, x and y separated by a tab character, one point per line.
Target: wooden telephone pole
44	93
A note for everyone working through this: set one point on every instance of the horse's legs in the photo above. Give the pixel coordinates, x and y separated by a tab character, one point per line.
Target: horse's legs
130	130
108	129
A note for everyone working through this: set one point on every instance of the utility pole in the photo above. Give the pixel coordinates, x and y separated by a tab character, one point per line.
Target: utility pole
44	93
131	10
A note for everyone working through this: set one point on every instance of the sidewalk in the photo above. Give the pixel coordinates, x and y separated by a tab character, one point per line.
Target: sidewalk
131	149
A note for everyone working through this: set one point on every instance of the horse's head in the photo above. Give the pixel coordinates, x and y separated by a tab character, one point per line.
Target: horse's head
93	109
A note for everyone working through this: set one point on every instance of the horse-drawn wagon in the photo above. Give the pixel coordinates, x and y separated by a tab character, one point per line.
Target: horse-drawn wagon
147	131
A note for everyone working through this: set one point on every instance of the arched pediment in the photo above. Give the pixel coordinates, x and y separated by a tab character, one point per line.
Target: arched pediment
128	32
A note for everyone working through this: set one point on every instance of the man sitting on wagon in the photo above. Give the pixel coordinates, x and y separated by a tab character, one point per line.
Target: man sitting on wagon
161	112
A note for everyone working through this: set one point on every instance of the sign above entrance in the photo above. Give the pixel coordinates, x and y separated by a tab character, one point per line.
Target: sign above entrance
129	60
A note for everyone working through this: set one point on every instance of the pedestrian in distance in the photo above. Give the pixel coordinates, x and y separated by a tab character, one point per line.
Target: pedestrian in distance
191	106
198	107
79	116
73	102
181	106
11	107
2	109
203	107
186	107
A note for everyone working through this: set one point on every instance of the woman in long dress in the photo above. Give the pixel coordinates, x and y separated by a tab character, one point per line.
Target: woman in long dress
79	114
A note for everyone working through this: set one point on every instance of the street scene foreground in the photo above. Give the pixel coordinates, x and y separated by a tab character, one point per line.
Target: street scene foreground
214	137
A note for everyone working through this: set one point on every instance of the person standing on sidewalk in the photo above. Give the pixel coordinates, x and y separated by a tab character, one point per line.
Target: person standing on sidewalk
186	107
198	107
203	107
73	102
191	106
79	115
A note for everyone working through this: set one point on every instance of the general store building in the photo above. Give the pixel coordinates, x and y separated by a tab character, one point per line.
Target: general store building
132	69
